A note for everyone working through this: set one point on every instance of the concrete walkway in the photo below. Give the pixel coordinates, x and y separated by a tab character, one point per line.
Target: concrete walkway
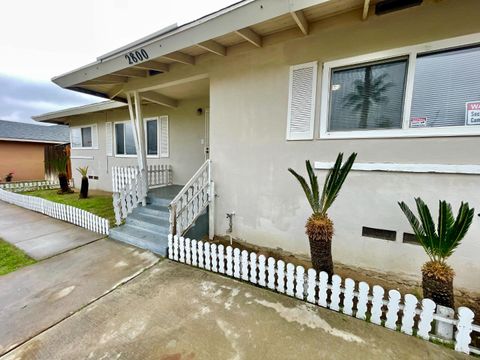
174	312
38	235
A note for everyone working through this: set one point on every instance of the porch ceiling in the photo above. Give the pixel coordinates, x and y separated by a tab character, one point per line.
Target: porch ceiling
110	74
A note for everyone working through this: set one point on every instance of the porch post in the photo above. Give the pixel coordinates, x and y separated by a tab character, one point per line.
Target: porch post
141	136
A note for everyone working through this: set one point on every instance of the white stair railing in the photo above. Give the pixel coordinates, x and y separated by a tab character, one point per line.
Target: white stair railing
127	197
158	175
192	200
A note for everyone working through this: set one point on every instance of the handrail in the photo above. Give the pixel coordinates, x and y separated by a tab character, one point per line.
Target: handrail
191	181
190	202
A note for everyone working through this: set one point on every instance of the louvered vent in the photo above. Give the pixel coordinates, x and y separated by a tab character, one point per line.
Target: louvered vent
301	109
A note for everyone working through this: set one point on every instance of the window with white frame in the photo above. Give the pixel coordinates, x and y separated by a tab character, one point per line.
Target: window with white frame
423	90
124	140
83	137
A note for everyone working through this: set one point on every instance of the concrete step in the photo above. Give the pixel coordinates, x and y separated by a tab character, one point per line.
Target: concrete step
162	221
133	235
160	212
152	224
153	200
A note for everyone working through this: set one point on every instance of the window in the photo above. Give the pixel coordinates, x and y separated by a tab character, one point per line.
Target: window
444	83
368	96
83	137
152	137
124	140
422	90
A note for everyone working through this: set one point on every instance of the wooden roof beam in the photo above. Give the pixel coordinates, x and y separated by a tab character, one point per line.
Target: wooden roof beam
131	73
250	36
366	6
180	57
301	21
213	47
153	65
106	80
159	99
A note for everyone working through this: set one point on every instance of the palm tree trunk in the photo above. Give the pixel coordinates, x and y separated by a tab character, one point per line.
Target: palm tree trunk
84	188
320	232
437	283
367	84
62	178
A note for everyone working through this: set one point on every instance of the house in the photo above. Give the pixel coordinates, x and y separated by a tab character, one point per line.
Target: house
23	148
261	86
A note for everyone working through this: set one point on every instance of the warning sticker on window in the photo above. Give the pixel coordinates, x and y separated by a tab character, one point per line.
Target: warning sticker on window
418	122
472	116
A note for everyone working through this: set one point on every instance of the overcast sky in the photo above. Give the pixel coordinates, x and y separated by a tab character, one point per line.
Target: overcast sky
42	39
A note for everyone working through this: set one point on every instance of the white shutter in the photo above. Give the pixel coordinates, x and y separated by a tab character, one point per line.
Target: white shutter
109	138
94	136
164	136
301	101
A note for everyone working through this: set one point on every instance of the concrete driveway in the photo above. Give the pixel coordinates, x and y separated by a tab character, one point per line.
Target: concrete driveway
39	235
173	312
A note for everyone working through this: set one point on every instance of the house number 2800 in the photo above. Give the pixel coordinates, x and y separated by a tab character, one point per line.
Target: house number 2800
136	56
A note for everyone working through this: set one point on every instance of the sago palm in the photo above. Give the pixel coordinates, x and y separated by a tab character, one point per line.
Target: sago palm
439	243
60	163
84	187
319	227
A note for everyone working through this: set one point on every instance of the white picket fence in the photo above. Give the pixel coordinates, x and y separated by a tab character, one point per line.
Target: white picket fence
158	175
31	185
63	212
407	315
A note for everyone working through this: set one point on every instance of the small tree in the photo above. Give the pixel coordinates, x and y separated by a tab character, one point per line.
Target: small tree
319	227
60	163
439	244
84	188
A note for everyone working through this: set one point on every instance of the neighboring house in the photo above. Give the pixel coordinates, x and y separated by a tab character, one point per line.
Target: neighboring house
23	148
262	86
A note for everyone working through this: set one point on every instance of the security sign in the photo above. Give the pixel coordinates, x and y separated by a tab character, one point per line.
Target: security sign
472	115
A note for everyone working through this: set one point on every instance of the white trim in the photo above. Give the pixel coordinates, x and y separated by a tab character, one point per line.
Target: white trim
145	120
76	157
115	140
471	169
94	128
412	52
85	109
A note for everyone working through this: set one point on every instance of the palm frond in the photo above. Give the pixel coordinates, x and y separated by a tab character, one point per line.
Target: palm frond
306	189
439	243
313	185
83	171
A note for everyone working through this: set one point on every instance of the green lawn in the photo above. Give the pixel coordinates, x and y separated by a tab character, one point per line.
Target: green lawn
98	202
12	258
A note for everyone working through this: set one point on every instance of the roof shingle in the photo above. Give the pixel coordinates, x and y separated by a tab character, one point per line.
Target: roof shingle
31	132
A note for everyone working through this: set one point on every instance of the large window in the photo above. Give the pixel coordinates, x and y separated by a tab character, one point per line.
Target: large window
82	137
368	96
124	140
422	90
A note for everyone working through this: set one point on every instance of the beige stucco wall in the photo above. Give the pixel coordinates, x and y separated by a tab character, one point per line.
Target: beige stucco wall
250	155
249	95
187	129
25	159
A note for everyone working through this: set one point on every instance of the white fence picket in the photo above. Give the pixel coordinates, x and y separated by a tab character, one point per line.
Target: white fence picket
323	287
194	253
253	268
348	296
464	329
335	296
290	279
271	273
200	254
229	261
362	300
377	304
261	271
311	285
244	265
281	276
426	318
188	251
182	250
170	246
236	263
409	312
392	309
300	282
221	259
175	248
214	255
